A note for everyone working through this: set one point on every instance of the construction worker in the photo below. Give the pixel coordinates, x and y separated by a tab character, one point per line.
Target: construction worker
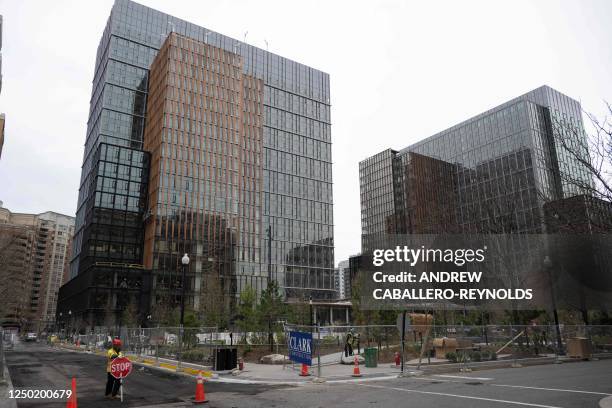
348	344
112	383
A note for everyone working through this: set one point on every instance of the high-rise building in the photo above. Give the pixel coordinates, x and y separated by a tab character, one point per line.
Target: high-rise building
237	143
34	254
491	173
343	280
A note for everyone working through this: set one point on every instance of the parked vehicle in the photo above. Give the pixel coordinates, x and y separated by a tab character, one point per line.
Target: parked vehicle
31	337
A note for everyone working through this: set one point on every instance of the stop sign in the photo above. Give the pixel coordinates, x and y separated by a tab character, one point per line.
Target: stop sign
121	367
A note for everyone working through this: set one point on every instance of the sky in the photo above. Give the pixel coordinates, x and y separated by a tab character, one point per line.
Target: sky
400	71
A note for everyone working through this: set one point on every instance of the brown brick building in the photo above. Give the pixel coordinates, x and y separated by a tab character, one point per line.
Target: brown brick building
34	258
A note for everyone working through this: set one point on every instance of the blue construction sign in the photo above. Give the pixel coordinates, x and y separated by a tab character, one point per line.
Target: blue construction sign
300	347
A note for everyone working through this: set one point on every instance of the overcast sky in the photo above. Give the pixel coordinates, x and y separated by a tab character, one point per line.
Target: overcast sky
400	71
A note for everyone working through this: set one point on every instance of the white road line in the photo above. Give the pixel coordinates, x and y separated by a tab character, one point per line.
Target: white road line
550	389
462	396
464	377
359	380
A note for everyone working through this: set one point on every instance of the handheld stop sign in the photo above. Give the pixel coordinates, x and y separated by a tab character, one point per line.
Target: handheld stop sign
121	367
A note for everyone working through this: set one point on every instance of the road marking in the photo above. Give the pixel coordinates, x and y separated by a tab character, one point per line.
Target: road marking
444	394
358	380
464	377
551	389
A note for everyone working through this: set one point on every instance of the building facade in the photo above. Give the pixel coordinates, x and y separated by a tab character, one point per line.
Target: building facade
146	197
491	173
35	254
343	280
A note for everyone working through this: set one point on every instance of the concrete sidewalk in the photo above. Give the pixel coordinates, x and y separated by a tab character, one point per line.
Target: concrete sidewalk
290	373
5	387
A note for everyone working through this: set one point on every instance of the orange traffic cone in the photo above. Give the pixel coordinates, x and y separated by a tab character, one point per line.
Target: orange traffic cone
72	401
356	372
304	372
200	395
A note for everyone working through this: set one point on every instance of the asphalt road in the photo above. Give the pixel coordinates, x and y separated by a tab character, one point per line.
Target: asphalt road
37	366
566	385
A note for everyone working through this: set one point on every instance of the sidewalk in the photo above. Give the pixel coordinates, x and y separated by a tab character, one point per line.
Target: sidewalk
5	387
290	373
262	373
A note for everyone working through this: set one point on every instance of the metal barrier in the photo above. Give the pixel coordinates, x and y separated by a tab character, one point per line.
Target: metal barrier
470	343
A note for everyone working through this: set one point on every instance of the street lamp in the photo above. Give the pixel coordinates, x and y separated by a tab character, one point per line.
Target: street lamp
185	262
311	318
270	294
70	322
548	265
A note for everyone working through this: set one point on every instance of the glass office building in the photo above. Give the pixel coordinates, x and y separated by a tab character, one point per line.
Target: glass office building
293	192
489	174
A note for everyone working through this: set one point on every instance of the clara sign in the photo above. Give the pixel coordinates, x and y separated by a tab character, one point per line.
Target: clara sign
300	347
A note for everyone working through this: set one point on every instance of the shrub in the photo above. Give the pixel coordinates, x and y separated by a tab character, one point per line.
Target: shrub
475	356
488	355
451	356
193	355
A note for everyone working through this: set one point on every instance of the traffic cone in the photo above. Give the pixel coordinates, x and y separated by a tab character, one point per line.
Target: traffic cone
72	401
356	372
200	395
304	372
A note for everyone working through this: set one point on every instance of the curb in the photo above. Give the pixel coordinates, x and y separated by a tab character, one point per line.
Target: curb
489	365
144	362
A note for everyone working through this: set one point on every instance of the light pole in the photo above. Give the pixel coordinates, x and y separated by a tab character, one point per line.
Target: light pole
185	262
70	322
311	318
270	338
548	265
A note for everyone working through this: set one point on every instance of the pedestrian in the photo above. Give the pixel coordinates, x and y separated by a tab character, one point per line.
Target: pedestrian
112	383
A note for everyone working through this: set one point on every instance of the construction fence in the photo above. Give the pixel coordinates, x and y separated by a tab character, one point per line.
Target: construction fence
454	343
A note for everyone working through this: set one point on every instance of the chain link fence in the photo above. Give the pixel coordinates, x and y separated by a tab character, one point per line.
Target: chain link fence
434	344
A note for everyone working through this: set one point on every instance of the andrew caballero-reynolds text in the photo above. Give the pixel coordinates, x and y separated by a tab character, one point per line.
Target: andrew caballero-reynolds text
459	257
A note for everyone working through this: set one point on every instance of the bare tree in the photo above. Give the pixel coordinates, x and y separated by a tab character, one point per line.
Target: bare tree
592	151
